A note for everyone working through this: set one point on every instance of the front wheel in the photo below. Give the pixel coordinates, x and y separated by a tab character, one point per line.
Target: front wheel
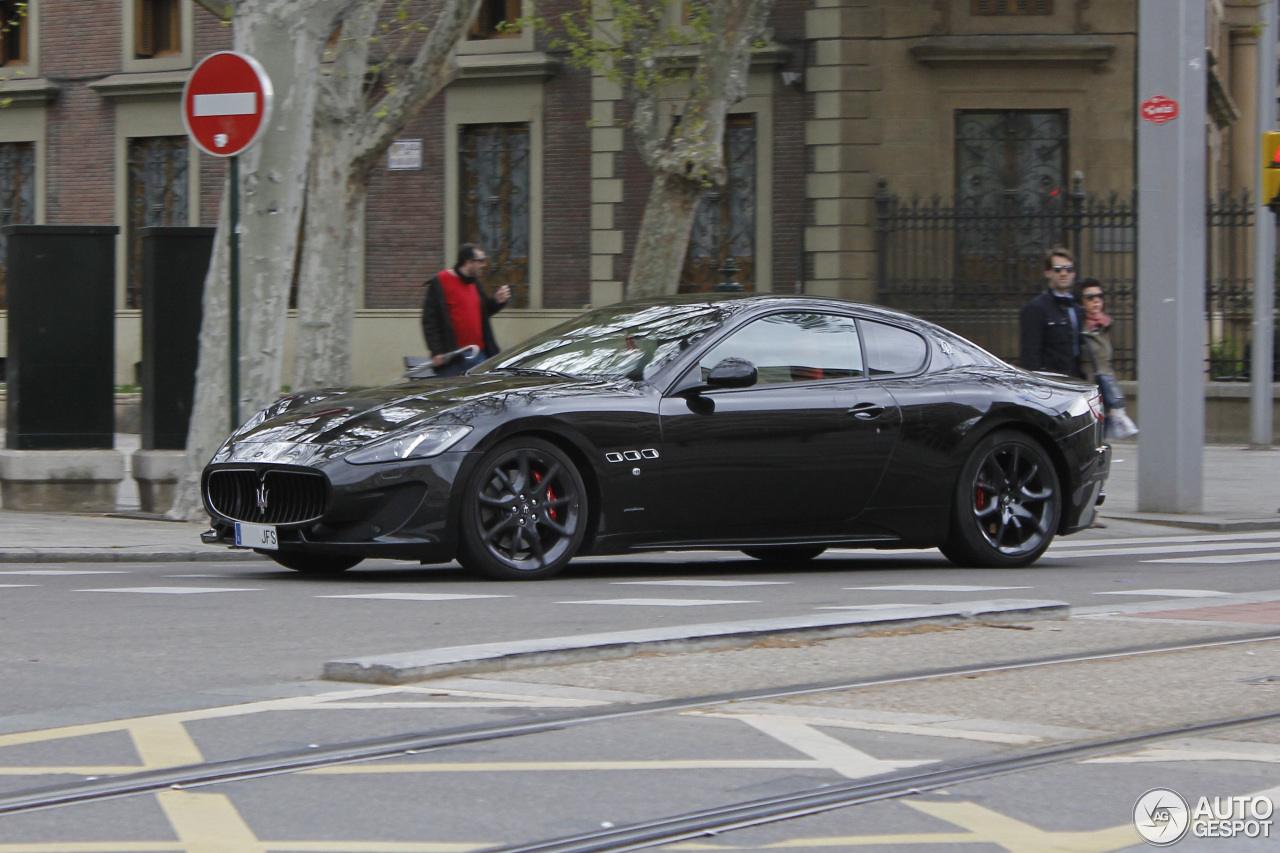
313	564
524	512
1006	506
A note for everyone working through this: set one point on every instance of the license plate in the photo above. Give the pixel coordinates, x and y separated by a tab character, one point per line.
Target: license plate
256	536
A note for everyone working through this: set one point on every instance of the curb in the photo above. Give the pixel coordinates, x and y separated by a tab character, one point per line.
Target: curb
109	555
405	667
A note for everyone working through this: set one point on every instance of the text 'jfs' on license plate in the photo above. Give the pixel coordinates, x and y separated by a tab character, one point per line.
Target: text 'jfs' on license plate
256	536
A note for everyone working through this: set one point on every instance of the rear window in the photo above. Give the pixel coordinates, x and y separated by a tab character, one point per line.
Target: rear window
891	349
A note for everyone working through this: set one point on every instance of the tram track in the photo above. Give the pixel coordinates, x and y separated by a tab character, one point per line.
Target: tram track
718	820
293	761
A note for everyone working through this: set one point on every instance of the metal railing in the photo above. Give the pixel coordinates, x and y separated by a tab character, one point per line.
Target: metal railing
972	269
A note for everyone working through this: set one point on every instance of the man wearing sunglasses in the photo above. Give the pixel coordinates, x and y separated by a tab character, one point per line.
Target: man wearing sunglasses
1050	324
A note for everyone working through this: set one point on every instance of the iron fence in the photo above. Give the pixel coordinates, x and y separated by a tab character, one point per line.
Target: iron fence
971	268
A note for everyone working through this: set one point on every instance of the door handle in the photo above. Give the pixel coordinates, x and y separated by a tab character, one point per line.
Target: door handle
867	411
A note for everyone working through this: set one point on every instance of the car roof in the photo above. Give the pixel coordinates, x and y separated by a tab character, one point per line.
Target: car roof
737	302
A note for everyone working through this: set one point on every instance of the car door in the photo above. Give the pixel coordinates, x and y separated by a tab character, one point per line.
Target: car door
799	453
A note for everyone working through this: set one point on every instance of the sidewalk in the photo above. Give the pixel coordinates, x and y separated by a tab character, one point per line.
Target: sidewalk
1241	492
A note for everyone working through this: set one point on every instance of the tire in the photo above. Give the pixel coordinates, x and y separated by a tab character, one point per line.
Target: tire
524	512
785	553
313	564
1006	506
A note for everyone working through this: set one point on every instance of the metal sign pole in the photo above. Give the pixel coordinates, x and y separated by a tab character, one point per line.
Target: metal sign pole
234	284
1172	80
1264	269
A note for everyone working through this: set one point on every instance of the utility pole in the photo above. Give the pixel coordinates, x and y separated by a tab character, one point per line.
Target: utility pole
1172	79
1264	269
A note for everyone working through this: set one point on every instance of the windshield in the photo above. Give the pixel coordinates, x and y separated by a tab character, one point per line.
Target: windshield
621	341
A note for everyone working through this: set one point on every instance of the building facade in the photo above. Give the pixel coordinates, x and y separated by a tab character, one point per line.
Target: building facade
974	101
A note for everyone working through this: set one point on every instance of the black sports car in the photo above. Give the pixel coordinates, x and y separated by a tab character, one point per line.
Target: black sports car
775	425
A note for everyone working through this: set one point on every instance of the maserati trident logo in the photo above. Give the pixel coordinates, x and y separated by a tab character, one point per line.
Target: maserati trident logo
261	494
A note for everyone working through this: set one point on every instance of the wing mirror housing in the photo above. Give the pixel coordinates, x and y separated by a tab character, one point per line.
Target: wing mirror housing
733	373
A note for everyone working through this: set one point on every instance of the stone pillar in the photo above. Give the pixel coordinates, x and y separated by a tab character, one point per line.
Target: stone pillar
606	189
60	480
844	78
156	473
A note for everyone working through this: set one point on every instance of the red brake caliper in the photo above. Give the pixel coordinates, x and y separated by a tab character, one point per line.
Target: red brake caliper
979	497
551	495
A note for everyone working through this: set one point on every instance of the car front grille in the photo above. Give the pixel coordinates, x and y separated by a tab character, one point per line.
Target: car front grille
273	497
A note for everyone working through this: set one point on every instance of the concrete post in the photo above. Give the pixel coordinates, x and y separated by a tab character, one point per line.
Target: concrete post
1171	253
1264	275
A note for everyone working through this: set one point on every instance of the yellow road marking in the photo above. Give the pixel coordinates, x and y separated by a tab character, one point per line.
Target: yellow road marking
164	743
208	823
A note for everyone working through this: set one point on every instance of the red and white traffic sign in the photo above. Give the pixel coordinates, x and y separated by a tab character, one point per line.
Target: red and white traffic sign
226	103
1159	109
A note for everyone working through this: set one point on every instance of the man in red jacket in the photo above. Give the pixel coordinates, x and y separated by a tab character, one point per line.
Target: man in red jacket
456	312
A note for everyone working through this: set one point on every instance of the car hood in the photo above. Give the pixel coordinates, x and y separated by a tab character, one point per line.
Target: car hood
305	428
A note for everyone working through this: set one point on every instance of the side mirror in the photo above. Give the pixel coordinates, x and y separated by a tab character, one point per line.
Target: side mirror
733	373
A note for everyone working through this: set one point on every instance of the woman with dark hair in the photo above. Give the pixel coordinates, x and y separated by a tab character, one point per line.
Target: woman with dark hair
1095	359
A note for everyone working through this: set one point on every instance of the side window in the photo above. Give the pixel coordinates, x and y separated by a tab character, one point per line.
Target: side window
793	347
892	350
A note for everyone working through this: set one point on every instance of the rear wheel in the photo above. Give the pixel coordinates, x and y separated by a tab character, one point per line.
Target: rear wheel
313	564
784	553
1007	504
524	513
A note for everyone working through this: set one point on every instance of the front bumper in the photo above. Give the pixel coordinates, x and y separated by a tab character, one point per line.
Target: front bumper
1081	509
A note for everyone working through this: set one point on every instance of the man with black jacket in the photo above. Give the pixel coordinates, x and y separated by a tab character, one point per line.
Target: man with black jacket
1051	323
456	312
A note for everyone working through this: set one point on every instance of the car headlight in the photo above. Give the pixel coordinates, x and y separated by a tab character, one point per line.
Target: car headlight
420	445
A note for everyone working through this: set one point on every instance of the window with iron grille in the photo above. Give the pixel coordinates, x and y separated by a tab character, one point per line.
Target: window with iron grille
1012	7
157	28
13	32
158	193
724	227
17	194
491	15
495	204
1011	169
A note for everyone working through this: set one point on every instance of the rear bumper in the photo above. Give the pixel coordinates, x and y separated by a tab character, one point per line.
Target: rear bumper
1083	502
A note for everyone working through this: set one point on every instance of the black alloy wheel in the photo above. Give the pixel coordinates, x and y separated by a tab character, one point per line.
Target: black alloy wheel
313	564
524	513
784	553
1007	504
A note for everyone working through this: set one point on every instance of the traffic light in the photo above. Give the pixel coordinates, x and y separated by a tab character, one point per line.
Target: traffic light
1271	168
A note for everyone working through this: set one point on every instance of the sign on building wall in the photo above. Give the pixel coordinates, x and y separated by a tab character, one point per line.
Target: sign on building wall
404	154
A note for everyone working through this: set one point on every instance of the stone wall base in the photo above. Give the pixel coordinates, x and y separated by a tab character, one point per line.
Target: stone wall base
60	480
156	473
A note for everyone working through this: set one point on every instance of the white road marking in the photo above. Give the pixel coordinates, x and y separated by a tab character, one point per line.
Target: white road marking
171	590
1168	593
415	596
16	585
53	572
700	583
1173	546
1223	559
832	752
1072	544
923	587
658	602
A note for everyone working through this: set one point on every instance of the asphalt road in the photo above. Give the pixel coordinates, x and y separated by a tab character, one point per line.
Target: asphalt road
111	668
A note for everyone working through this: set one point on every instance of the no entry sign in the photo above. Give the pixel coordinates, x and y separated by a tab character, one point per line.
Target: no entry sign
226	103
1159	109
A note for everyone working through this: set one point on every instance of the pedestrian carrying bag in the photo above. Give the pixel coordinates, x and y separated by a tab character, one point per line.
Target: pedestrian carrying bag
1112	396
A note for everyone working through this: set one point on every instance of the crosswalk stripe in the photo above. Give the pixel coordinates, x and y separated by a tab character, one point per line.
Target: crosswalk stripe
414	596
170	590
1168	593
658	602
1223	559
1172	547
1143	540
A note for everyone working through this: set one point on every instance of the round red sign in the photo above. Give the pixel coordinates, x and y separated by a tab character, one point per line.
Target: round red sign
1159	109
226	103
